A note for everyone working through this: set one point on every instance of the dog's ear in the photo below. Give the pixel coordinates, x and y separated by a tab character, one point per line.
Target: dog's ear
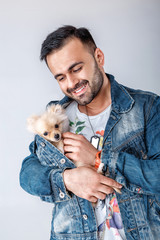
55	109
58	109
31	123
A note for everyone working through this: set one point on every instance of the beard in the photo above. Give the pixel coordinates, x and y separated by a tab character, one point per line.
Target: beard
94	85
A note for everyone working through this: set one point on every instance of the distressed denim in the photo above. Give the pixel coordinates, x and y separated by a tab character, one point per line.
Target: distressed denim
131	154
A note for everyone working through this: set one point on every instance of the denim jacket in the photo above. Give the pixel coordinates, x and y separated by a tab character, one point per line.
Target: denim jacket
131	153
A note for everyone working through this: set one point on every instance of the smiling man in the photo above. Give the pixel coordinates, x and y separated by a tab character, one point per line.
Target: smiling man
77	71
109	124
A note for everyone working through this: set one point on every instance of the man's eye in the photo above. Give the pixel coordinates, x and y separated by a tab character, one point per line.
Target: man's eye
45	133
60	79
77	69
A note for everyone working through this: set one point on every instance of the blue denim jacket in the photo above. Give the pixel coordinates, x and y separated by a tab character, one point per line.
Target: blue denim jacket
131	152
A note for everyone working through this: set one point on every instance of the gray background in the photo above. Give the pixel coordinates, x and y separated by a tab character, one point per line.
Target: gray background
128	33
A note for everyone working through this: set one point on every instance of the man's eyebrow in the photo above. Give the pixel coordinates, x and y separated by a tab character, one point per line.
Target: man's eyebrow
69	69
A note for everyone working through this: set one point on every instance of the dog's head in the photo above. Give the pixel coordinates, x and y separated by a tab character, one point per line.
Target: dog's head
50	124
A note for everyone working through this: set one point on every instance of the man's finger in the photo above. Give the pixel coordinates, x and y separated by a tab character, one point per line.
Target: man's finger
71	142
102	196
110	182
70	135
93	199
71	156
105	189
70	148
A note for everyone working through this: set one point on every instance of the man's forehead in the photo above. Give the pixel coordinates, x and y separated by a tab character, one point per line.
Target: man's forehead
70	43
73	47
73	52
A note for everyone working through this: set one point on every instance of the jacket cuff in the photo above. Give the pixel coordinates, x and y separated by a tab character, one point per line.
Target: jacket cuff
60	193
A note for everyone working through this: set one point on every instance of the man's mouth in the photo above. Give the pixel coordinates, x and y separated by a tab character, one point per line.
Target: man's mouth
81	90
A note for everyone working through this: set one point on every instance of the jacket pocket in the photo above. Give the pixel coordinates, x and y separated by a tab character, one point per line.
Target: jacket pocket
135	145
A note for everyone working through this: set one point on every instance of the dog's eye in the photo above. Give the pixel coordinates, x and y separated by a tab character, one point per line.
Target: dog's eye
56	126
45	133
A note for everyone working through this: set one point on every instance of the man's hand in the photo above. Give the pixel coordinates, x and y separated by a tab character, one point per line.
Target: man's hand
86	183
79	149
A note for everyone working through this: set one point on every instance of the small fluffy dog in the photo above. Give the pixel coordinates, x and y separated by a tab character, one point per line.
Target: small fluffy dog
50	125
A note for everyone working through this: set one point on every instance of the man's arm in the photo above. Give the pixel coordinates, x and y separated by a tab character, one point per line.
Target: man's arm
144	173
44	180
86	183
34	178
47	181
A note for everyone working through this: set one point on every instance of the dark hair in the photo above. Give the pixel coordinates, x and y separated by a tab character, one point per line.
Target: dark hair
60	37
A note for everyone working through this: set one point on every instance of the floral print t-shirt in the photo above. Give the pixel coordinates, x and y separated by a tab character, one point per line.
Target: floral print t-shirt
107	212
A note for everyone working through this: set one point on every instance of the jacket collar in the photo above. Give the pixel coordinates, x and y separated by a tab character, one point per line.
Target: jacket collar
122	101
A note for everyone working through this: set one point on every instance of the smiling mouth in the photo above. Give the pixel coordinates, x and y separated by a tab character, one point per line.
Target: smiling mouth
80	90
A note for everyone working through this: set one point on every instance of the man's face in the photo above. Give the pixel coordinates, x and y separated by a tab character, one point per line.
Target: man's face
76	71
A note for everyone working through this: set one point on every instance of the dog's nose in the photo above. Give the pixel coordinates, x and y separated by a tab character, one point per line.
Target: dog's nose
57	136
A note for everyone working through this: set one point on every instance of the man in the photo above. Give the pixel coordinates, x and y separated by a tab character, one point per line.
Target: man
110	123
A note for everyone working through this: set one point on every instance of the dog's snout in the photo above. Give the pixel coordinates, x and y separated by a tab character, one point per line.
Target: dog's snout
57	136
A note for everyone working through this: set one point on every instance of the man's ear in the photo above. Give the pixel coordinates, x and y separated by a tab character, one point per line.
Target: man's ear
99	56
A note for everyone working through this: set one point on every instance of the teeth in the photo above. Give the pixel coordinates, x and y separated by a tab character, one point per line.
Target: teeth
80	89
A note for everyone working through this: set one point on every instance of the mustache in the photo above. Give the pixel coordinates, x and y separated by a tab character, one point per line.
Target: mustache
78	85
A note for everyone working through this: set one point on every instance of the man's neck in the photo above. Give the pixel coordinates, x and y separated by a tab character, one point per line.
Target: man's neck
100	102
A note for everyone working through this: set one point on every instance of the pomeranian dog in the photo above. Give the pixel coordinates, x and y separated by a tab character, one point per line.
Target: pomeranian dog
50	125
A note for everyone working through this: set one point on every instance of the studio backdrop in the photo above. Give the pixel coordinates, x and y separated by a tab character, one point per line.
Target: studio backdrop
127	31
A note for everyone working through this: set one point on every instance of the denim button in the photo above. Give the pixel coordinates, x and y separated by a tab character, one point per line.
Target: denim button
43	144
85	217
62	161
61	195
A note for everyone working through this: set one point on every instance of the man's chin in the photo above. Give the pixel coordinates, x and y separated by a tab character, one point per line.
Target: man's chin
82	99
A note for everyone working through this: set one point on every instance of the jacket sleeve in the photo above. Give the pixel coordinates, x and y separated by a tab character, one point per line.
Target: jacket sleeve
42	172
143	175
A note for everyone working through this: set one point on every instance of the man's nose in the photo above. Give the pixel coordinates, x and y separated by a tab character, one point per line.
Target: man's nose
71	81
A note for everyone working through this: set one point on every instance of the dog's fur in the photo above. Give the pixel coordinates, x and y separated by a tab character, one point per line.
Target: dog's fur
50	125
